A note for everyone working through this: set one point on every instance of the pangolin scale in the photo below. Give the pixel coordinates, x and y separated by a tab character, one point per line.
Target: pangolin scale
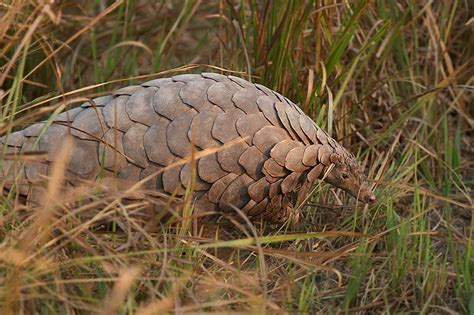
266	154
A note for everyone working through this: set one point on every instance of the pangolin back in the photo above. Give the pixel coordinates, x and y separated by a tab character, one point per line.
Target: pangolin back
267	152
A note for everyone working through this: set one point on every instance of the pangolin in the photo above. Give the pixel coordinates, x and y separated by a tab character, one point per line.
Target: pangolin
260	152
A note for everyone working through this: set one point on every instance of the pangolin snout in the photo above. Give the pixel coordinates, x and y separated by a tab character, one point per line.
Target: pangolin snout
370	198
367	197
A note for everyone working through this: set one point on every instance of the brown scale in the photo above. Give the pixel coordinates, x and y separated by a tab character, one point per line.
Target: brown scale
194	94
252	161
177	134
228	157
186	178
134	145
259	190
221	95
267	106
280	151
156	143
167	103
210	162
218	188
236	194
200	131
152	170
248	125
111	152
294	160
89	124
224	128
243	99
115	115
139	107
172	181
267	137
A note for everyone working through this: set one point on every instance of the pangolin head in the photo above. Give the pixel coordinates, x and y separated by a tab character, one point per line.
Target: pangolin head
348	175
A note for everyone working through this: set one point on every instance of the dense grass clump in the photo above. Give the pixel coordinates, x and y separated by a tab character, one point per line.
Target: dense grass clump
391	80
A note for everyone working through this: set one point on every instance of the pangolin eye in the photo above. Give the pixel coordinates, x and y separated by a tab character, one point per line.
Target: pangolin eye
345	176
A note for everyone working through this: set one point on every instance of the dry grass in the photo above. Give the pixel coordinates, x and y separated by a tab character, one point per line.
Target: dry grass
393	81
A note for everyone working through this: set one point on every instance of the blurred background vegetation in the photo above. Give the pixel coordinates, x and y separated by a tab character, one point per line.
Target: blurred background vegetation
392	80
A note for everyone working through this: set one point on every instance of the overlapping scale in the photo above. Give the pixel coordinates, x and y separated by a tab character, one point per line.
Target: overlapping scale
51	141
267	106
172	179
167	102
236	194
294	119
310	155
248	125
267	137
210	162
224	128
134	145
324	154
218	188
259	190
245	100
281	149
177	134
228	157
194	94
84	160
115	115
281	111
200	131
128	90
89	124
156	143
188	181
221	94
111	152
139	107
252	160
